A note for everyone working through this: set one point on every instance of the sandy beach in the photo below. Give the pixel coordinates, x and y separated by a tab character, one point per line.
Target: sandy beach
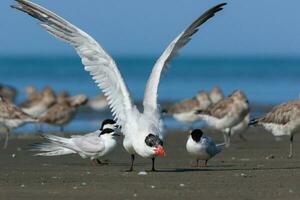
236	68
246	170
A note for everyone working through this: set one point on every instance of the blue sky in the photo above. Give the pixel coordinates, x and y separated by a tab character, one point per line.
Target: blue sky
139	27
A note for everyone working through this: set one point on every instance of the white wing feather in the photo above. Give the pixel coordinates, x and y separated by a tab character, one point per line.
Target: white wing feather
150	97
96	61
89	144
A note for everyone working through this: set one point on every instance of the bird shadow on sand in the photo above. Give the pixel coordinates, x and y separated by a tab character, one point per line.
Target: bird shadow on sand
104	163
222	168
194	169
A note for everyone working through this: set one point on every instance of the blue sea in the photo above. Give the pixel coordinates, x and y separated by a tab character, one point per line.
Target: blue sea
265	80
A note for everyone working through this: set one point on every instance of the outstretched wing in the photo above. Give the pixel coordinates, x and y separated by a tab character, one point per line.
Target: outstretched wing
96	61
150	98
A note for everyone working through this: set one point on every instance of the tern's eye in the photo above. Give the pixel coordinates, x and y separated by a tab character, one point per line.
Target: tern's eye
161	143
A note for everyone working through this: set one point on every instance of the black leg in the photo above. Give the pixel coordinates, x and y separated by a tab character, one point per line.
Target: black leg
98	161
205	163
132	161
291	146
153	163
101	163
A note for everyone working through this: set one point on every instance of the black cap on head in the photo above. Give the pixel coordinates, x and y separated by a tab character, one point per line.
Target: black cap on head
106	131
153	140
107	121
196	135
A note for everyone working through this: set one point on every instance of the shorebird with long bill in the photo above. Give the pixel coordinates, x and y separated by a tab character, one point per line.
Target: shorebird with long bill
142	130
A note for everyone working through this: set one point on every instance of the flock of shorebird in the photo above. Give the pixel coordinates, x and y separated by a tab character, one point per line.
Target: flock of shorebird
143	131
39	107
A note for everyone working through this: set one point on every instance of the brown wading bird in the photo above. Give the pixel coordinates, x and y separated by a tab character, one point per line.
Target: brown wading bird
98	103
283	119
31	92
8	92
216	95
63	111
38	103
226	114
12	117
184	111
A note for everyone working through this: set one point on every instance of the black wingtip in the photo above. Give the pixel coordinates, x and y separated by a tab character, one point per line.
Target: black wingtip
15	7
219	7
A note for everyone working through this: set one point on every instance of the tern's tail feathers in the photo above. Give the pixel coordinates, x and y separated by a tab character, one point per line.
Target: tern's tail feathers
60	141
220	147
64	151
56	146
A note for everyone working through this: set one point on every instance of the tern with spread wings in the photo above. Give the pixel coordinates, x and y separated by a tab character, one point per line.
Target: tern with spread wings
142	130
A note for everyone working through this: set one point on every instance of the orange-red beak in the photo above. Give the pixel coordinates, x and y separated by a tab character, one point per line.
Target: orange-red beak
160	151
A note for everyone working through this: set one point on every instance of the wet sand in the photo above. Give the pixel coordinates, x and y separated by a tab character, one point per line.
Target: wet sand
240	172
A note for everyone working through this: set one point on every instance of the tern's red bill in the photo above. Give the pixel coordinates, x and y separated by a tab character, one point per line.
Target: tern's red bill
160	151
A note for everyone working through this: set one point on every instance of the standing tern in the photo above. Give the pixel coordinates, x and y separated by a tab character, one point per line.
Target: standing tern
203	147
92	145
142	130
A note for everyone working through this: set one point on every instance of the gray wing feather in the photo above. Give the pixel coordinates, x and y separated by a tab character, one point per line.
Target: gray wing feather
96	61
150	98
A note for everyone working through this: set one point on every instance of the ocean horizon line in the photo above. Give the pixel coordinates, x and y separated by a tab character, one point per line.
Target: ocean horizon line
151	57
